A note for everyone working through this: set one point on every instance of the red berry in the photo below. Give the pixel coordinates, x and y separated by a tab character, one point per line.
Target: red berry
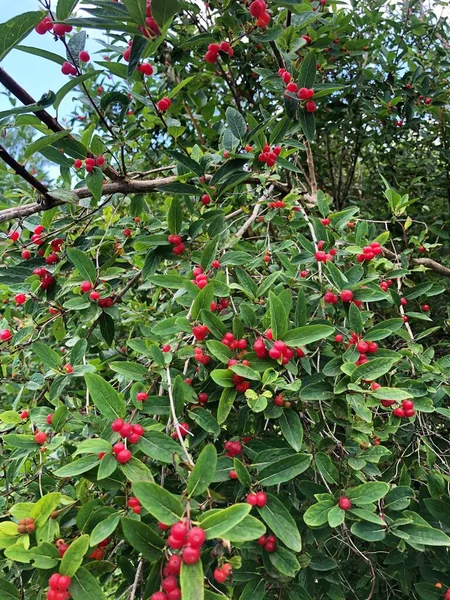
407	405
346	296
257	8
146	69
251	499
20	299
68	368
40	437
86	286
399	412
169	583
345	503
261	499
26	254
158	596
174	564
311	106
196	537
124	456
84	56
100	161
94	296
220	575
49	418
191	555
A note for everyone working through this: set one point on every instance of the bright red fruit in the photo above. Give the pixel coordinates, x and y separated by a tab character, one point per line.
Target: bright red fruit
345	503
84	56
86	286
196	537
346	295
191	555
5	335
124	456
40	437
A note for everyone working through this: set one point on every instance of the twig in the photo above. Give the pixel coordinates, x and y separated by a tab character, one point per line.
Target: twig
136	579
175	418
254	214
24	174
426	262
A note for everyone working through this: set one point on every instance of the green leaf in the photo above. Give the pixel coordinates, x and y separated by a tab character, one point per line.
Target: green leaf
93	446
308	123
317	514
172	94
204	471
326	468
82	263
46	100
285	562
219	350
160	503
42	142
135	470
44	507
76	467
175	216
109	403
254	589
159	446
221	521
307	74
386	393
336	516
373	369
278	317
236	123
368	492
47	355
129	370
163	10
8	591
65	8
137	10
242	473
425	536
94	181
284	469
203	300
73	557
44	556
85	587
247	530
307	334
223	377
16	29
191	581
369	531
143	538
180	157
209	253
104	529
205	420
62	93
280	521
291	428
226	401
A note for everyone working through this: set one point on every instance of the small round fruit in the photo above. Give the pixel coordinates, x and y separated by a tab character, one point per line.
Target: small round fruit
124	456
196	537
40	437
345	503
220	575
191	555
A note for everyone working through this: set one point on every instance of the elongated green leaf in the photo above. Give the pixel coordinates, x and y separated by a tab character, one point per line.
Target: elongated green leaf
160	503
236	123
426	536
85	587
8	591
137	10
308	334
44	507
104	529
73	557
247	530
373	369
64	9
159	446
368	492
62	93
225	403
285	562
82	465
308	69
221	521
135	471
83	264
47	355
191	580
203	300
16	29
175	216
284	469
42	53
143	538
291	428
204	471
130	370
280	521
105	398
326	467
317	514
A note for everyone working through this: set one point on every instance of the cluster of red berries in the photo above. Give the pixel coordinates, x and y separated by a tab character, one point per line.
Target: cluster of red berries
346	296
200	278
279	350
405	410
145	69
123	455
201	358
5	335
183	428
269	543
257	499
277	204
132	433
171	589
344	503
86	286
26	525
240	383
212	53
135	505
220	305
178	245
385	285
97	554
280	401
47	24
304	94
151	28
68	68
233	449
222	573
59	587
190	541
269	155
46	278
89	163
232	343
164	104
258	9
200	332
369	252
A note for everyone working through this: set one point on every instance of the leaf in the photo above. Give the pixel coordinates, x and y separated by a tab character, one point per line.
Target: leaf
254	589
279	520
135	470
180	157
307	74
226	401
204	471
143	538
160	503
77	467
163	10
46	100
44	507
369	531
247	530
16	29
129	370
8	591
236	123
373	369
292	429
109	403
425	535
221	521
285	562
284	469
308	123
85	587
42	53
159	446
191	581
242	473
82	263
75	45
94	181
336	516
137	10
42	142
209	253
307	334
175	216
104	529
62	93
65	8
326	468
47	355
73	557
278	317
368	492
317	514
203	300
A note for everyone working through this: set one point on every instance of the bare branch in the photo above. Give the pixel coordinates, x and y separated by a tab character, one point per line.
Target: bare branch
426	262
22	172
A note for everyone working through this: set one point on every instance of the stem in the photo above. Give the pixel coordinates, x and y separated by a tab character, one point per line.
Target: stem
24	174
175	418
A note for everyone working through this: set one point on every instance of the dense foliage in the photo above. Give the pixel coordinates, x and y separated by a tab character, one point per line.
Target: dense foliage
224	337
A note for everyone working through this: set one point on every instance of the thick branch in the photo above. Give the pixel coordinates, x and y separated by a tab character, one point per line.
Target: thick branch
22	172
117	187
426	262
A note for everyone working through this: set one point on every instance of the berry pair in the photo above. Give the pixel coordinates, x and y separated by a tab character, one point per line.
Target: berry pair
258	9
135	505
59	587
212	53
269	155
176	240
259	499
269	543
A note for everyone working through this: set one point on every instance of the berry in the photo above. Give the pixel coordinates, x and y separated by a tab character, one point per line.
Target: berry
158	596
68	368
24	414
220	575
179	530
257	8
124	456
94	296
49	418
196	537
311	106
191	555
26	254
169	583
407	405
86	286
346	296
164	104
100	161
146	69
345	503
20	299
252	499
399	412
174	564
261	499
141	396
40	437
84	56
338	338
232	474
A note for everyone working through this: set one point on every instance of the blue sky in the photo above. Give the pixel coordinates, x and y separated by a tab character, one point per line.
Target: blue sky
36	74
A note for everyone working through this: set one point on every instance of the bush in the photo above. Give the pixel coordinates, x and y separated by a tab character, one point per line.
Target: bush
221	380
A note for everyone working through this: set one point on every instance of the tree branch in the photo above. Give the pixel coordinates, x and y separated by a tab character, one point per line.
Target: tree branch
426	262
22	172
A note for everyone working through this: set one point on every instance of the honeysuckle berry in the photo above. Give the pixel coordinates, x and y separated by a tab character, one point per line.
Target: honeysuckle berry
164	104
344	503
146	69
84	56
25	254
196	537
190	555
311	106
40	437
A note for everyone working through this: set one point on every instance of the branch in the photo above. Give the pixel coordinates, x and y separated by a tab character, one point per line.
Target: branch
426	262
117	187
254	214
22	172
